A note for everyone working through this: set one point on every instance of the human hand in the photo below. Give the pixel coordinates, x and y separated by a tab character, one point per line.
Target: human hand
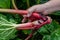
46	8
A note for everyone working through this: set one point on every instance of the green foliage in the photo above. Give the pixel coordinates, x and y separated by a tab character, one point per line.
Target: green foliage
53	36
50	31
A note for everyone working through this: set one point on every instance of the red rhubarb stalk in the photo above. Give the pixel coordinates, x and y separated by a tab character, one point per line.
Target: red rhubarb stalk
25	26
22	12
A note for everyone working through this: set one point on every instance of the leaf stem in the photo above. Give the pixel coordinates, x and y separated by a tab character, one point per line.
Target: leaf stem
28	4
22	12
14	5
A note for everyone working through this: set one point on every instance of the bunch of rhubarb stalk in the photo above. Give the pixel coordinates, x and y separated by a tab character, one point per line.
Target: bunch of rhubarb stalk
35	21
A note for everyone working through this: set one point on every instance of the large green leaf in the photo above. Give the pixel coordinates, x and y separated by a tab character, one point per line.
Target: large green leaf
7	28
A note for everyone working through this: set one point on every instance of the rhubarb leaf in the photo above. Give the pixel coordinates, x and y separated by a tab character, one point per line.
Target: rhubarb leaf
7	28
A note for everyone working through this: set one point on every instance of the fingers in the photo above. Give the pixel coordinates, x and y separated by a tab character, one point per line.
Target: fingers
31	10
